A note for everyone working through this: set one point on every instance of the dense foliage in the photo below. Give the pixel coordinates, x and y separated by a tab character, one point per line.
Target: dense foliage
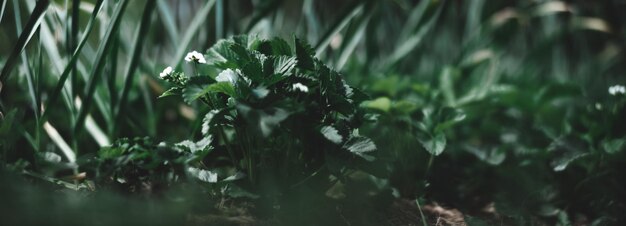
398	112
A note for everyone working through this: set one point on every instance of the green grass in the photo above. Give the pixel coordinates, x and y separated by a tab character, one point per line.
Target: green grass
469	103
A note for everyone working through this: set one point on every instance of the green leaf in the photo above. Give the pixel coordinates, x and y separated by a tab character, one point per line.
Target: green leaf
433	144
195	88
202	145
360	146
31	27
331	134
304	54
110	152
447	118
212	118
203	175
221	56
172	92
221	87
279	69
613	146
404	107
382	103
275	47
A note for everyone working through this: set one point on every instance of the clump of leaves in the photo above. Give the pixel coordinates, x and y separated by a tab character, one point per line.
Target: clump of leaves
279	116
141	165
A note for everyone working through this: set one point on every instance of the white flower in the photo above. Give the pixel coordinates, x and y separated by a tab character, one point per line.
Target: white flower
617	89
302	88
195	57
227	75
166	72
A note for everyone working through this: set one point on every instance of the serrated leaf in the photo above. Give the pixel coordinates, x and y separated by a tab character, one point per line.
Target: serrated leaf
221	56
304	54
221	87
206	121
214	117
275	47
331	134
202	145
433	144
360	146
203	175
279	68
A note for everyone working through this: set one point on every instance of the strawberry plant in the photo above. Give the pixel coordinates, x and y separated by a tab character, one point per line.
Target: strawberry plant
277	114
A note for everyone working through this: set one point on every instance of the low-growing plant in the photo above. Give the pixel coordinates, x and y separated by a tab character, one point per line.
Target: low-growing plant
278	119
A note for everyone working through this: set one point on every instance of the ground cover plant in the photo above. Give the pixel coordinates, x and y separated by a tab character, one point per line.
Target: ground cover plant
312	112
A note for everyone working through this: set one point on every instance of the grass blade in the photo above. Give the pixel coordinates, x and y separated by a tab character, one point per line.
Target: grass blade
73	40
99	63
135	57
352	10
415	17
4	4
265	8
219	20
168	21
60	142
353	36
195	25
408	45
73	60
31	26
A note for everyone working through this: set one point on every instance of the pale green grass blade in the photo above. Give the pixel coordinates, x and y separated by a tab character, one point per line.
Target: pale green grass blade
168	22
352	10
194	27
412	42
4	4
219	19
60	142
264	9
353	37
415	17
31	26
99	64
134	62
73	41
25	66
75	56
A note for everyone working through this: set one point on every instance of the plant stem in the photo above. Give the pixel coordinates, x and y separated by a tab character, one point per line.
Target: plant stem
419	208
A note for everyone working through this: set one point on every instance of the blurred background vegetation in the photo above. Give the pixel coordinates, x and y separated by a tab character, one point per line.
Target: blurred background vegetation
500	104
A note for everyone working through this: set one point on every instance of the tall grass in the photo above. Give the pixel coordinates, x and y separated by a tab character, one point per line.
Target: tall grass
76	75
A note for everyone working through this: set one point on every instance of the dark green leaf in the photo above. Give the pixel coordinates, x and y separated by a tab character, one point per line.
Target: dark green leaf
360	146
433	144
305	55
31	27
613	146
172	92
